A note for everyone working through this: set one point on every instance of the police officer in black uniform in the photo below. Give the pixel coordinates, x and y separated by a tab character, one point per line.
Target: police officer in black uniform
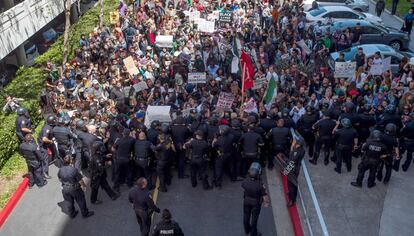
254	195
250	143
346	141
23	123
366	121
163	154
297	152
63	137
391	142
33	155
198	154
73	189
98	172
152	132
373	149
123	148
143	150
389	116
224	145
238	162
167	227
407	135
144	206
280	138
46	143
323	128
305	124
85	139
179	134
289	123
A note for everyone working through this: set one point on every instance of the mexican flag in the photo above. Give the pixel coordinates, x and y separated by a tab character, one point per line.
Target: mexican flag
271	92
235	63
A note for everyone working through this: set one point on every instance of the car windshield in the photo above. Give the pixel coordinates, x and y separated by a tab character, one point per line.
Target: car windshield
350	53
381	27
317	12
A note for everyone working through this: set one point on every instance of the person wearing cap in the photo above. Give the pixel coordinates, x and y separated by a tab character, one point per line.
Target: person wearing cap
23	123
305	124
167	227
373	150
294	160
143	150
323	129
250	142
64	138
179	134
123	149
255	194
224	144
346	142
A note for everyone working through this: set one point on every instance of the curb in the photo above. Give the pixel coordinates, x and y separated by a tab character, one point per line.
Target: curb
8	208
388	12
293	211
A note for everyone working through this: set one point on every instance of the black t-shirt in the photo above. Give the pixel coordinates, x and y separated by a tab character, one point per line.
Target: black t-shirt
325	127
346	136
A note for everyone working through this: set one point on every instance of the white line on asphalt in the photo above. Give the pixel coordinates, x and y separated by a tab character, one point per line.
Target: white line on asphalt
305	212
314	199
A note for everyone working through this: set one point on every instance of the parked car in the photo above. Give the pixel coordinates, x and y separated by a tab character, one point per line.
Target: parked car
372	33
338	13
370	50
31	51
357	5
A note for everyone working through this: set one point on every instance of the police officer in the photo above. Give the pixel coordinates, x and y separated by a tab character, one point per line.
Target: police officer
346	141
143	151
391	142
237	162
267	123
305	124
73	189
163	153
23	123
224	144
167	227
179	134
250	143
280	138
143	205
254	195
85	138
98	172
389	116
199	150
407	135
123	148
289	123
152	132
33	155
297	152
323	128
63	137
373	150
366	121
46	143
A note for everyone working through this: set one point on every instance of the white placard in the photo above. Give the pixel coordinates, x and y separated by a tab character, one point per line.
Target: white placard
250	106
197	78
206	26
259	83
376	69
140	86
160	113
130	66
345	69
164	41
386	64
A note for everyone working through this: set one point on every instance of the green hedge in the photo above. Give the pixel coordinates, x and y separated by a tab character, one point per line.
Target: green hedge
28	82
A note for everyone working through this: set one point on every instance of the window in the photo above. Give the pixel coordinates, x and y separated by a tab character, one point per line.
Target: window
394	60
349	15
370	30
317	12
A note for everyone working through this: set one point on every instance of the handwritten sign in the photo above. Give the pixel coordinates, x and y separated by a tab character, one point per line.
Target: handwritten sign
160	113
250	106
345	69
376	69
197	78
259	83
140	86
130	66
164	41
225	101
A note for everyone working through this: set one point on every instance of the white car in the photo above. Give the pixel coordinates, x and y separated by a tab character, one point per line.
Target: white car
336	13
357	5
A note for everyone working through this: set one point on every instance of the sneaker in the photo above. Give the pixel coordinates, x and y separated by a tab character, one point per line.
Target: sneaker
355	184
89	214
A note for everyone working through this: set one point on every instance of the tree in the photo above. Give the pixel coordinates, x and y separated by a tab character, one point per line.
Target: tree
101	14
67	4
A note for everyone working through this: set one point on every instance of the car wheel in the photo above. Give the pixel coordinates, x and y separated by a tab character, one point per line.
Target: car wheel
396	45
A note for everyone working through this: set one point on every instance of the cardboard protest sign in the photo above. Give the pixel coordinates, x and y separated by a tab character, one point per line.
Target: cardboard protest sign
140	86
160	113
250	106
225	101
345	69
376	69
206	26
386	64
130	65
259	83
113	17
225	18
197	78
164	41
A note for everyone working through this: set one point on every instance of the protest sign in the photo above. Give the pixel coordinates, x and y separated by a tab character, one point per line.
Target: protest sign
140	86
130	65
250	106
206	26
259	83
345	69
376	69
225	101
304	47
164	41
225	18
186	112
113	17
160	113
386	64
197	78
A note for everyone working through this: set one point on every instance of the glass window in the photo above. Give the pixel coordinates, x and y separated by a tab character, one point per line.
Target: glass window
317	12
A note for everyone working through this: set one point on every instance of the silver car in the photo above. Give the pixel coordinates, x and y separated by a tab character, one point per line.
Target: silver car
358	5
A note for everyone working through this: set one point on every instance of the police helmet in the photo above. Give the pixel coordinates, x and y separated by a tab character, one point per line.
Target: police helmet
224	129
80	124
61	121
376	135
345	122
51	120
367	107
251	120
21	111
349	106
255	170
309	109
390	129
285	112
199	133
165	128
390	109
325	105
155	123
235	123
